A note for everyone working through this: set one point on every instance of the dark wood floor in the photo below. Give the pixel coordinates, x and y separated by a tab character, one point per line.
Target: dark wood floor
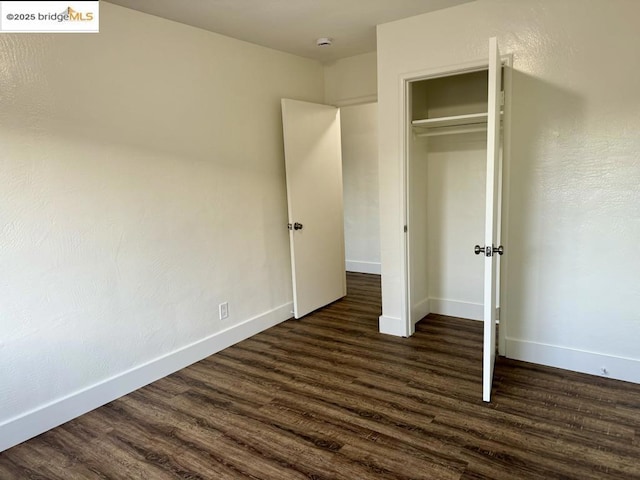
327	397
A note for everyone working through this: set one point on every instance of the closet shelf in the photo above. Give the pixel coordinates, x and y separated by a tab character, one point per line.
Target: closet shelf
470	119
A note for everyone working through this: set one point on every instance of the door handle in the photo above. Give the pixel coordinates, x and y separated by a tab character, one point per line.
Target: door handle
488	251
297	226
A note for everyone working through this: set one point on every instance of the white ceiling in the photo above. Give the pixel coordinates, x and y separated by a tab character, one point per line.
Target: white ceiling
293	25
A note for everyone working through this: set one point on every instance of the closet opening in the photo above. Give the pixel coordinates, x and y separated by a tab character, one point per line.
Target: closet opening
454	143
446	177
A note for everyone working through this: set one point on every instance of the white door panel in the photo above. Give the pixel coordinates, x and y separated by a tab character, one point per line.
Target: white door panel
313	162
491	218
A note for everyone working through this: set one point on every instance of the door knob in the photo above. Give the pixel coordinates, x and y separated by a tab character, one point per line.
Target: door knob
488	251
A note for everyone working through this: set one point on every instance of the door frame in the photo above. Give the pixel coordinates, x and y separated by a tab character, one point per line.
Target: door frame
406	80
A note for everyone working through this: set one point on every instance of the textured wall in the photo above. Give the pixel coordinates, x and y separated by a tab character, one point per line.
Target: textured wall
573	182
351	80
142	184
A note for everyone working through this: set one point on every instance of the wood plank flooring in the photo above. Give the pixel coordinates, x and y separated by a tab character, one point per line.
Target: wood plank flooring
327	397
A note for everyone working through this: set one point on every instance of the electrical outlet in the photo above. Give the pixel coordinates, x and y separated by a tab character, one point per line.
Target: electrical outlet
223	310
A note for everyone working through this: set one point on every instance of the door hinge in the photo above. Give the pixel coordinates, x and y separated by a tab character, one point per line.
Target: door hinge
405	229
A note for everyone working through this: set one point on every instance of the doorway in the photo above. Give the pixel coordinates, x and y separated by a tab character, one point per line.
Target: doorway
314	170
453	151
359	128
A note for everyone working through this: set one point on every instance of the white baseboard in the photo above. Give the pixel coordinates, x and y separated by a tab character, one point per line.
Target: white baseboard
620	368
62	410
452	308
363	267
421	310
393	326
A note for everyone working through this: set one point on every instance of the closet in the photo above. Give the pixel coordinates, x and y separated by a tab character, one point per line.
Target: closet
453	168
447	165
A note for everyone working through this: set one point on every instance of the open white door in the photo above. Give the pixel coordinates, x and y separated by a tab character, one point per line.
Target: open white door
491	218
313	160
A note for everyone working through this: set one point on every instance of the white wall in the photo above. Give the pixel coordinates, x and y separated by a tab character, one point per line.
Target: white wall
572	184
142	184
351	81
456	197
359	124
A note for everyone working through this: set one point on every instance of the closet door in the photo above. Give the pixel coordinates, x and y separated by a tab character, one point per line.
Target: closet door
491	251
313	161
